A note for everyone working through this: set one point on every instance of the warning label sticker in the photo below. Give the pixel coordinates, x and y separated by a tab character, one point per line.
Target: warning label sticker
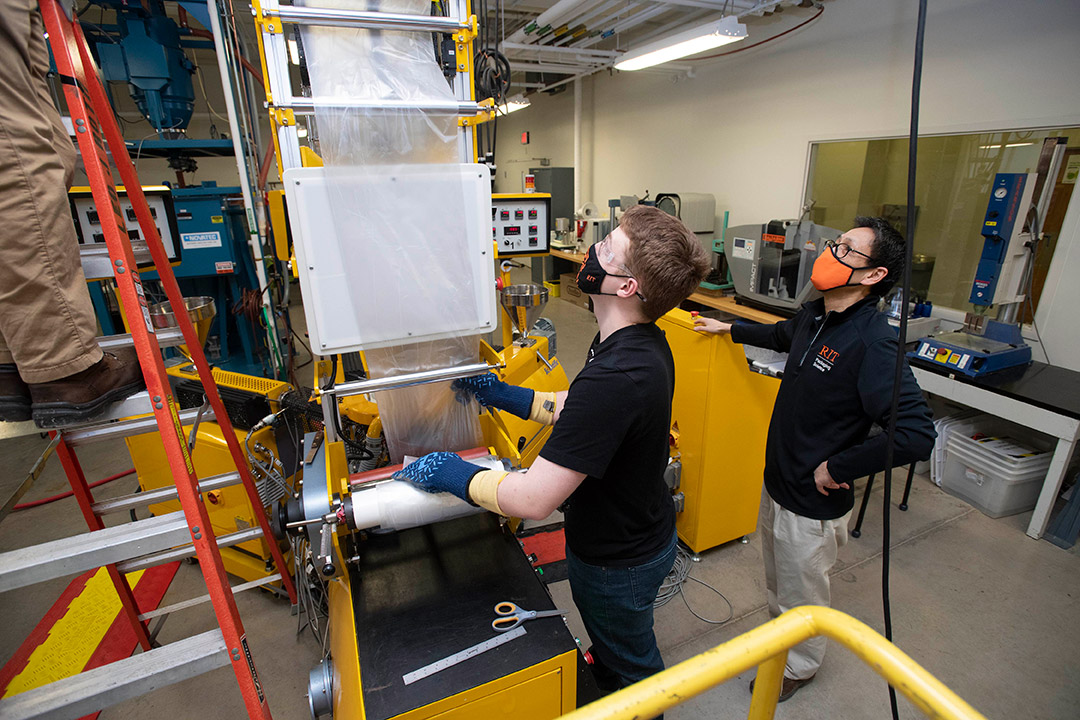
251	668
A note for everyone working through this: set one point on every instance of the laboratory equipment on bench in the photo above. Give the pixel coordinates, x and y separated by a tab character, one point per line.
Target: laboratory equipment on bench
1011	230
771	264
719	277
698	213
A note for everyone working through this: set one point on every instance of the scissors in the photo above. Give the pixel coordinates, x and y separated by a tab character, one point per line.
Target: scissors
511	616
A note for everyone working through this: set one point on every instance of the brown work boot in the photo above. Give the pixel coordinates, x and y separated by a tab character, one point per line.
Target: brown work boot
14	395
84	395
788	687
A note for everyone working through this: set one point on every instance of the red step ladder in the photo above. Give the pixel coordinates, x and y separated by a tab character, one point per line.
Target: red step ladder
97	134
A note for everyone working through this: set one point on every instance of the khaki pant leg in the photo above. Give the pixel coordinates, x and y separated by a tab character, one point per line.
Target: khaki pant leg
805	551
47	323
766	521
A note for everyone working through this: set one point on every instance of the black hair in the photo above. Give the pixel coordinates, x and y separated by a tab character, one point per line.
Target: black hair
889	252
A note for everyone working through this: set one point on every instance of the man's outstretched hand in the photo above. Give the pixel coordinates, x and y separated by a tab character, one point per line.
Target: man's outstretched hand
440	472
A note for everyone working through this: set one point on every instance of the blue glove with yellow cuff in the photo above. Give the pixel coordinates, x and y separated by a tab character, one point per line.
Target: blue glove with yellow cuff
440	472
446	472
490	391
527	404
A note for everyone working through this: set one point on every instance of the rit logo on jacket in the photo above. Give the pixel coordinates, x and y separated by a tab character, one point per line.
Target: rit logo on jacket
825	359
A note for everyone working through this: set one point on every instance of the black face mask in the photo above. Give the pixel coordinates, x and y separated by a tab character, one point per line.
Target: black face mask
590	277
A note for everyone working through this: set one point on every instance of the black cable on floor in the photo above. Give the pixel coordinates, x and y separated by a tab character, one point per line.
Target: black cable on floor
677	577
913	141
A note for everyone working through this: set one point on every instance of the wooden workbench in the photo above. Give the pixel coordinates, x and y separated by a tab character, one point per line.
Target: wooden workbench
727	304
568	255
719	302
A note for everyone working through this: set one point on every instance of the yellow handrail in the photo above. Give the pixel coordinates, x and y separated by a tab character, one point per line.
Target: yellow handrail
766	647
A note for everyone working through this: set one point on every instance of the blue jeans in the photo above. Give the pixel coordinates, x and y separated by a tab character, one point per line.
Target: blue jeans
616	605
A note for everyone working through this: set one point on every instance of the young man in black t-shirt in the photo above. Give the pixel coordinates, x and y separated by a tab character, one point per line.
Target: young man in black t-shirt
607	452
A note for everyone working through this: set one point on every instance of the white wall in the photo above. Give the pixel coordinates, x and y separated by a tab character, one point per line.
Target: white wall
742	126
551	135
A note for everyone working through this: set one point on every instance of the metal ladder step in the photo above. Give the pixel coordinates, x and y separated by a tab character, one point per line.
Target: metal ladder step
158	495
79	553
116	682
126	428
137	404
166	337
184	604
186	551
108	426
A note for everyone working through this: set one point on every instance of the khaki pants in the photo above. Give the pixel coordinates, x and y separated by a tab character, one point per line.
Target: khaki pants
47	323
798	553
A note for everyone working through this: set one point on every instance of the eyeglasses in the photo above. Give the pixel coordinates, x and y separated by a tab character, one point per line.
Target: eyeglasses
842	250
604	251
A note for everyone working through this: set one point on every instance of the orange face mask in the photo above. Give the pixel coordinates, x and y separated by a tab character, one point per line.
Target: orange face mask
830	273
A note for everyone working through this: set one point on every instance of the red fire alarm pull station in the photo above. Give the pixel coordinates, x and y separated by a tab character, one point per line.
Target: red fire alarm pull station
525	138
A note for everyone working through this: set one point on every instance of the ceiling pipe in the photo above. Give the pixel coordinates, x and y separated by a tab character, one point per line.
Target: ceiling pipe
555	50
557	14
693	17
603	23
546	67
717	5
604	11
631	22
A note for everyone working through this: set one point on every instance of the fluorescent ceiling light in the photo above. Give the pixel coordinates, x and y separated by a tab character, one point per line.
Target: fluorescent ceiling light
294	52
518	102
689	42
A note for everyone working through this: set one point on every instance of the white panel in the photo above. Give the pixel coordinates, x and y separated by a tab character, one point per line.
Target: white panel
381	288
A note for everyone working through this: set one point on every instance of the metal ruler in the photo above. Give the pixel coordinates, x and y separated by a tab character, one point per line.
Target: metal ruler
462	656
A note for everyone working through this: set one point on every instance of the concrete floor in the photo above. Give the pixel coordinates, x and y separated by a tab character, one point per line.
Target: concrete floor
990	612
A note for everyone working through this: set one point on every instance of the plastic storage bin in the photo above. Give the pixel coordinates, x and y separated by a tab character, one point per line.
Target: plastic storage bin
1000	474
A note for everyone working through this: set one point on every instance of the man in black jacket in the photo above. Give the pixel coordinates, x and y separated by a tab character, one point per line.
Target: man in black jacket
837	383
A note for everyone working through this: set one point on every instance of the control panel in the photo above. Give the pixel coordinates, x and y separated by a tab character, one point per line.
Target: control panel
88	221
521	223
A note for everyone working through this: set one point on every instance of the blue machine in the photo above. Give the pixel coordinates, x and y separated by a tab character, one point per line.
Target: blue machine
985	346
147	55
145	49
216	262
